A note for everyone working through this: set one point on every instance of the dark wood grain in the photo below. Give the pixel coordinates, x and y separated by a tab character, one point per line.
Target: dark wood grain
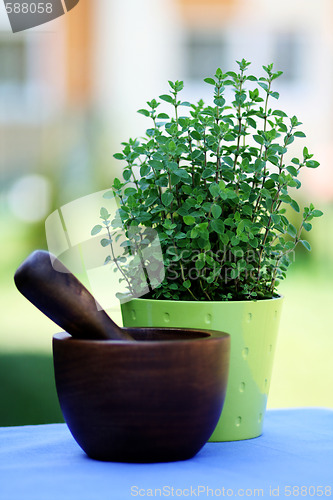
55	291
156	399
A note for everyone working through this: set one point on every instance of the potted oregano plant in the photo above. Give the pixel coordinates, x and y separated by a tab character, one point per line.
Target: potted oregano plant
216	182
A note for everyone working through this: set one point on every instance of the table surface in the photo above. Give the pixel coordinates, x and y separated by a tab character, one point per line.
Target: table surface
293	458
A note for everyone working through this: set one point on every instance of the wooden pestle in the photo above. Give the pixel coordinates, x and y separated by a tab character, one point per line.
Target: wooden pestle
55	291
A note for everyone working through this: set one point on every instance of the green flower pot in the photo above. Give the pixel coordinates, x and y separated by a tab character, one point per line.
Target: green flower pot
253	327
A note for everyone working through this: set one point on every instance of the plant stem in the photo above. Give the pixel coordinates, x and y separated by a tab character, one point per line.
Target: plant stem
182	270
266	110
192	161
204	291
134	178
143	265
239	116
171	206
115	260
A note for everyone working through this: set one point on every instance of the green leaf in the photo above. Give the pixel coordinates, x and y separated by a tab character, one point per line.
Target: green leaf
269	184
96	229
104	213
291	230
259	139
247	209
294	205
156	164
216	211
217	225
196	136
279	149
263	86
105	242
240	98
294	121
276	218
183	121
171	146
119	156
210	261
251	122
292	170
194	233
144	112
153	104
317	213
277	112
189	220
151	200
306	244
210	81
214	190
254	242
274	160
108	195
167	198
290	245
282	127
183	174
130	191
312	164
307	226
208	172
299	134
127	174
219	101
144	170
224	238
167	98
180	236
277	75
163	115
161	139
199	264
182	211
187	284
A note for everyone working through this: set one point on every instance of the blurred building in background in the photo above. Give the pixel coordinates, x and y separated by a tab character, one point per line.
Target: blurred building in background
69	90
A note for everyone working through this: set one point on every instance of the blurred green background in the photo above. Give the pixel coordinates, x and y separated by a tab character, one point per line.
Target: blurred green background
69	92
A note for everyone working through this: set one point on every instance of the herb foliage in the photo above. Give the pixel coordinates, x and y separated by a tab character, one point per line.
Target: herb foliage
216	183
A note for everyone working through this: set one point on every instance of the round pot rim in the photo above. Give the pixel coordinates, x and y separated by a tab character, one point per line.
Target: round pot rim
171	301
208	336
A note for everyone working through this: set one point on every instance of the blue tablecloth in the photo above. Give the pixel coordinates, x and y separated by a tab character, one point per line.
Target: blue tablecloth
293	458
